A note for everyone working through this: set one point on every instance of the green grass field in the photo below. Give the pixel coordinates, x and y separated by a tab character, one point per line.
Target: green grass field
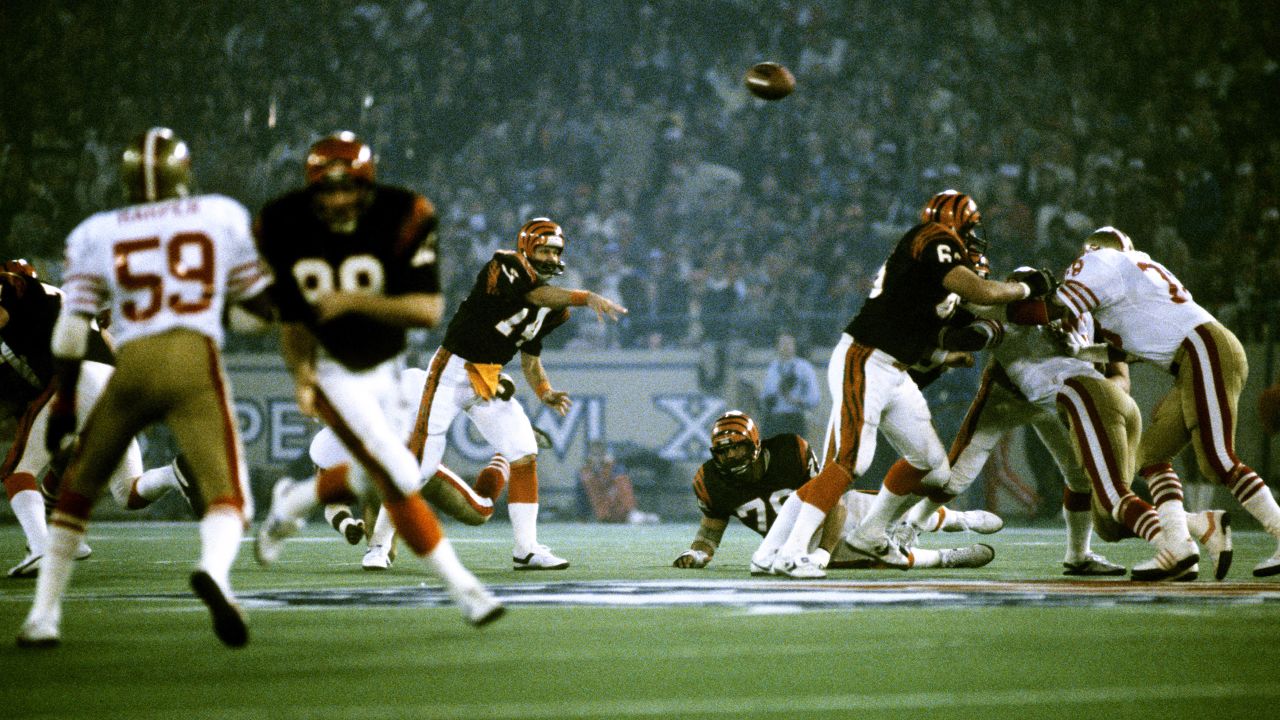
332	641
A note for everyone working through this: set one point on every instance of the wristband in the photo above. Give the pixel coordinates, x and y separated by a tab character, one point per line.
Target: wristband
1026	291
543	388
579	297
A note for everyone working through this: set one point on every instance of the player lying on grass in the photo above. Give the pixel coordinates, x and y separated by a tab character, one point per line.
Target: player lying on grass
750	479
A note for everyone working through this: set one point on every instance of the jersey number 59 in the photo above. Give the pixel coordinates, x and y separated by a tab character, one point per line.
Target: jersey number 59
188	261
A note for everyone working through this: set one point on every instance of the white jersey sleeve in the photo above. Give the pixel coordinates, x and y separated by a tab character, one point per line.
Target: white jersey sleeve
1139	306
1036	363
164	265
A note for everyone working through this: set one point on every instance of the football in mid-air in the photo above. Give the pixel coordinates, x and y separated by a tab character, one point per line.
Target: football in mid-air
769	81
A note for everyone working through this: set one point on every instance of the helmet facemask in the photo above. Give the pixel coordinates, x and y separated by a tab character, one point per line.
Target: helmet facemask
340	170
539	233
735	442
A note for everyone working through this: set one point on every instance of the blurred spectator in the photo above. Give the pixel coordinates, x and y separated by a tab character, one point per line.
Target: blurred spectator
790	391
638	133
606	489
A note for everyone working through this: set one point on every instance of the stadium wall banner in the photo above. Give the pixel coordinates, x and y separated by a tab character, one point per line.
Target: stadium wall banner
643	400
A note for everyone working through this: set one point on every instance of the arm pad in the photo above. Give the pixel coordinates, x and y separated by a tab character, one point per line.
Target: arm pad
71	336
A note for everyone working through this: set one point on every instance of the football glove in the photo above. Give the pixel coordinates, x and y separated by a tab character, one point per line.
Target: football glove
691	559
1040	281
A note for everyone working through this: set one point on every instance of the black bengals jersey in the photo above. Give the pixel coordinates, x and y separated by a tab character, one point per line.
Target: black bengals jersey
26	361
909	305
392	252
495	320
788	463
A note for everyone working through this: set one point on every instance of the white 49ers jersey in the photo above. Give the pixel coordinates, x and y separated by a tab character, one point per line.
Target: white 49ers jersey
163	265
1034	360
1139	305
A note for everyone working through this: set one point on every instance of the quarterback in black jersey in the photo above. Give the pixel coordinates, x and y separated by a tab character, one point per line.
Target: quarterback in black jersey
355	266
929	272
750	479
510	309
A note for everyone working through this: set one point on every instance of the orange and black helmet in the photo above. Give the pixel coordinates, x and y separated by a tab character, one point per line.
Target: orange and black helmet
959	212
155	166
340	158
535	233
733	428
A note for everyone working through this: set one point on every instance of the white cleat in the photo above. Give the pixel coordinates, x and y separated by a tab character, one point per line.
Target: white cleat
539	557
39	633
762	563
1174	562
971	556
979	521
269	543
478	605
881	549
1217	542
1093	565
800	567
905	534
376	558
1268	567
29	567
83	551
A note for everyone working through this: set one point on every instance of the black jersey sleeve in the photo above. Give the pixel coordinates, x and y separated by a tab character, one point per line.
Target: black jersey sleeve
418	271
938	251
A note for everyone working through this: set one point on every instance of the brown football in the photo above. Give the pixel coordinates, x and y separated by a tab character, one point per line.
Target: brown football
769	81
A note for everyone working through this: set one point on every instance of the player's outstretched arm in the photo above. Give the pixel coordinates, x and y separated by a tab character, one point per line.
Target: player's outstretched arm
965	282
704	545
536	376
555	297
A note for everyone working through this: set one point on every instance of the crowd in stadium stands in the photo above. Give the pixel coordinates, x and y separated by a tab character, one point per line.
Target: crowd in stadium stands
710	214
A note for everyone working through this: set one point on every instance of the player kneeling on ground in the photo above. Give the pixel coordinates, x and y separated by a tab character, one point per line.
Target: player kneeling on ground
750	479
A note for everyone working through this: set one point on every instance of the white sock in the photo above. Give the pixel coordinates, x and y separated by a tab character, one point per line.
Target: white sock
1173	521
808	519
885	508
524	525
28	505
1079	533
298	502
446	564
221	530
782	526
1264	508
156	482
384	531
925	515
925	558
55	572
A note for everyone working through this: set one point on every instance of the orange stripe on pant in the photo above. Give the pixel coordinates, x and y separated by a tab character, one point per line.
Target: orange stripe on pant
852	406
418	438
